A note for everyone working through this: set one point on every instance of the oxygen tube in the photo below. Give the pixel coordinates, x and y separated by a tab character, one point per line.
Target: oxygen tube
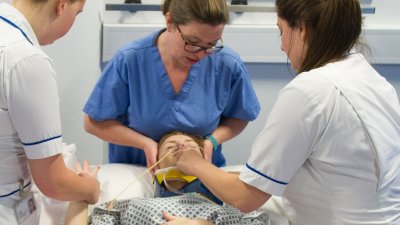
172	174
165	173
111	204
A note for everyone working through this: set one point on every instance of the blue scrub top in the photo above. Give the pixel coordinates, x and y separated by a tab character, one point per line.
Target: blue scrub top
135	89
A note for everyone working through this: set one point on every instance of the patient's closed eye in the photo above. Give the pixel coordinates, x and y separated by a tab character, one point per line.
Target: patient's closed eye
194	147
172	147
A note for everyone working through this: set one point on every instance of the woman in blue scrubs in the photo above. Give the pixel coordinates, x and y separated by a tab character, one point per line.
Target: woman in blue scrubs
178	78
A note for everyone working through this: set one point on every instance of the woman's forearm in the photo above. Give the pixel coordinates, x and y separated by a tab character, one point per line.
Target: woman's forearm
77	213
114	132
57	181
228	187
228	129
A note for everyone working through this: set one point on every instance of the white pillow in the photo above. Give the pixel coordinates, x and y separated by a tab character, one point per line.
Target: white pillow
114	178
123	181
234	168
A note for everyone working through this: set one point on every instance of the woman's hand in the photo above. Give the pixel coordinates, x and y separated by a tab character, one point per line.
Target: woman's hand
174	220
208	150
187	161
90	173
151	151
86	169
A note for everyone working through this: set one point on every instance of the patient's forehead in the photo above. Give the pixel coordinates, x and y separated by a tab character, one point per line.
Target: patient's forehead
172	141
177	138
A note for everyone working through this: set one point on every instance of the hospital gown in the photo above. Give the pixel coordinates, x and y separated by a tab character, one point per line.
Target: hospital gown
148	211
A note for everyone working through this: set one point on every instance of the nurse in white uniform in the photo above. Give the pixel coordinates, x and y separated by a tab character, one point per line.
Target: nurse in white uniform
30	128
331	144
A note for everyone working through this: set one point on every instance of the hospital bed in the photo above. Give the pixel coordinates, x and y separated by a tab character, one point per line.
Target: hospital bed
114	178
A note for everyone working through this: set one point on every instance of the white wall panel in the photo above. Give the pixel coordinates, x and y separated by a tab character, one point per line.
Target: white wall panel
255	35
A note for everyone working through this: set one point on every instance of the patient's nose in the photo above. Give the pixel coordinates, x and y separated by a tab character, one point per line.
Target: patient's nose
181	146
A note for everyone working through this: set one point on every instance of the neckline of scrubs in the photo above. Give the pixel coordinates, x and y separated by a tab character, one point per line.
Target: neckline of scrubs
168	89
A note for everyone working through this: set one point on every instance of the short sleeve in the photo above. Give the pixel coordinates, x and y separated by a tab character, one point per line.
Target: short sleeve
242	102
110	97
33	104
285	142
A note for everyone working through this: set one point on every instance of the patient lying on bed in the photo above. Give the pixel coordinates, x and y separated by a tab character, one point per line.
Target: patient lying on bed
175	193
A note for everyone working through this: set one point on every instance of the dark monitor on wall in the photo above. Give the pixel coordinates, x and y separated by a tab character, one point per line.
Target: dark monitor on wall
238	2
133	1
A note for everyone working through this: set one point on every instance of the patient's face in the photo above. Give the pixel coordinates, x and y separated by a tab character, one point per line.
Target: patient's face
173	143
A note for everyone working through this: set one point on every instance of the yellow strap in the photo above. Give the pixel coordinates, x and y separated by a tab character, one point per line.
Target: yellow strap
110	205
174	174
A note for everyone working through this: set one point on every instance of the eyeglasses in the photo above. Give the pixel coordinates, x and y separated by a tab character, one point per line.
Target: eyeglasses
192	48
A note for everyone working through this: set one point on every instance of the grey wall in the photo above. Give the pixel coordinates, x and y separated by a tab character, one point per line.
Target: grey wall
77	62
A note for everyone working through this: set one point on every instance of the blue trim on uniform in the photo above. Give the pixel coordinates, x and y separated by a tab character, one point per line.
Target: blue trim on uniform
3	196
39	142
269	178
17	27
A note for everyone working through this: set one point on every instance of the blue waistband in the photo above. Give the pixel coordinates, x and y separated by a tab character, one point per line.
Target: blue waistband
13	192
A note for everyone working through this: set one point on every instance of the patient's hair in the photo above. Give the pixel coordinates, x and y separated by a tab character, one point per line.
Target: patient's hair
212	12
196	138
